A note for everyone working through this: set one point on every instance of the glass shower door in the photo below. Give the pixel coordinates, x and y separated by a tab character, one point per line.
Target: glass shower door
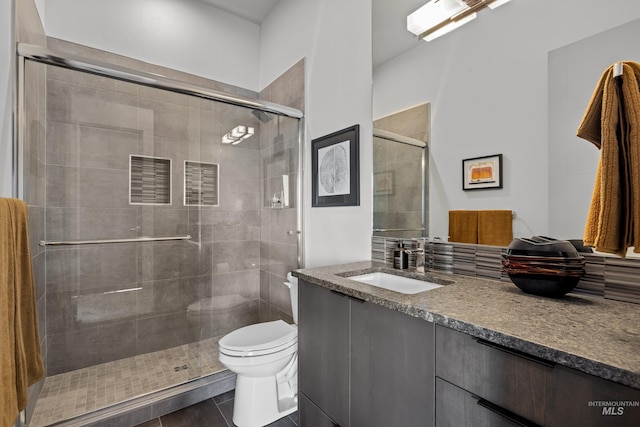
153	239
399	189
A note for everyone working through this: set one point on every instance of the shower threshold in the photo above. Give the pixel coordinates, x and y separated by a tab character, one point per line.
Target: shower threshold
87	390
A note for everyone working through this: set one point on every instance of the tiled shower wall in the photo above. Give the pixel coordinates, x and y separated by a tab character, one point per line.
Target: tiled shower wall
279	156
174	292
399	205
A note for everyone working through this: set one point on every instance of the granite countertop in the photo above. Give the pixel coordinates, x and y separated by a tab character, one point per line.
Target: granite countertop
594	335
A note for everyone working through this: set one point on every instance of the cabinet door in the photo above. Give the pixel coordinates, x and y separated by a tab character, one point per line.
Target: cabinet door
323	349
392	368
579	399
310	415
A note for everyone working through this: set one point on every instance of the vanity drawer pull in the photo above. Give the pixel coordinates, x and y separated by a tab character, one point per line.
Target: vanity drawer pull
516	353
506	414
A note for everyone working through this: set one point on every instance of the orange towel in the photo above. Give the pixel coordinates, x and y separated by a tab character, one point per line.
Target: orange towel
463	226
495	227
612	123
20	358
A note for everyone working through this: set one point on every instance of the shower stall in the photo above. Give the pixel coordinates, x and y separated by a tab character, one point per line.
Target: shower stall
400	186
164	212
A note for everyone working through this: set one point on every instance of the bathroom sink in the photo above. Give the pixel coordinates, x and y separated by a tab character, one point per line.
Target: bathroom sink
392	282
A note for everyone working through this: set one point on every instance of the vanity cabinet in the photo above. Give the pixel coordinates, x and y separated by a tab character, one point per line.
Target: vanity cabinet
361	364
323	354
484	384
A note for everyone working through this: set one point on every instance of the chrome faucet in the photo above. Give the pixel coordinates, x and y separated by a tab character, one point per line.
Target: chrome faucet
421	264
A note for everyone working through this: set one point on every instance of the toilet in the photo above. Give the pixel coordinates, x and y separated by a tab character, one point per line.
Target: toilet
264	357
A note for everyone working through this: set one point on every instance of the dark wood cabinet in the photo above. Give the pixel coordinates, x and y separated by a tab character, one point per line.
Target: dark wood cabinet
363	365
504	378
323	350
478	381
392	368
581	399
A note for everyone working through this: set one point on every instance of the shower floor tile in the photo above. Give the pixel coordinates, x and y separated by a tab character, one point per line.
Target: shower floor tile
75	393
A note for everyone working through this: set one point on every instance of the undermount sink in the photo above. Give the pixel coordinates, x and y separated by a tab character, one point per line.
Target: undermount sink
392	282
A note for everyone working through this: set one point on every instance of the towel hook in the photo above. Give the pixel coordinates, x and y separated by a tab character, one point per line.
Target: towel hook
617	69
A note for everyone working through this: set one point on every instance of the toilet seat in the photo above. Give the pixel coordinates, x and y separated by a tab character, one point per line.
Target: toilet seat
259	339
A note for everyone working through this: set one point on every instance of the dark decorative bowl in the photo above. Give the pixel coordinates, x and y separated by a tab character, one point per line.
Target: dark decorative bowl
545	285
543	266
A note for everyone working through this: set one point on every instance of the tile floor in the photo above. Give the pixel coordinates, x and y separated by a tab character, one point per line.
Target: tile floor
215	412
84	390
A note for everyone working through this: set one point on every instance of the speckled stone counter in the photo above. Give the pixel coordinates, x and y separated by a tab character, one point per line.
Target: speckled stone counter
594	335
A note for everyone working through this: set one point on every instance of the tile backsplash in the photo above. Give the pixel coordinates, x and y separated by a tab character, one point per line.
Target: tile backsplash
605	276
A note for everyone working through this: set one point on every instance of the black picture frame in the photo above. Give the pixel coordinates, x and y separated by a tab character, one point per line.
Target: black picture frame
482	173
335	169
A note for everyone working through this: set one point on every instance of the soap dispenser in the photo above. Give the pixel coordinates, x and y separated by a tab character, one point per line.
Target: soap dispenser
400	257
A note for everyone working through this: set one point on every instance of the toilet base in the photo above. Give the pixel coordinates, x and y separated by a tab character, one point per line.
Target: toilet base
256	402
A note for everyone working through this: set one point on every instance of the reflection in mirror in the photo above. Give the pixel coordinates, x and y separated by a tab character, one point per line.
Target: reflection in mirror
400	174
512	99
573	71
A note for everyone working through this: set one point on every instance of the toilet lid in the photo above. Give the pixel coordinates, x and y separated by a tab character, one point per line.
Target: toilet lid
259	339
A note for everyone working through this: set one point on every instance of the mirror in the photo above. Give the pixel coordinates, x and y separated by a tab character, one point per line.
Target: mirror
494	89
401	173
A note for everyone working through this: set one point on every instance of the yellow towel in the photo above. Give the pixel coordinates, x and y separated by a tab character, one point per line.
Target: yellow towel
612	123
20	358
495	227
463	226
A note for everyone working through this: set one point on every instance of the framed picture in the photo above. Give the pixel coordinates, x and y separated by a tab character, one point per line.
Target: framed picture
482	172
335	169
383	183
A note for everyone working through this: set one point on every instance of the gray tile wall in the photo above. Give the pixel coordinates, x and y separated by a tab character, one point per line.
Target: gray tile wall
402	206
279	156
174	292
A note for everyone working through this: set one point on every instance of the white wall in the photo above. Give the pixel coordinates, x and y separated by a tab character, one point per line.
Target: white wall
186	35
487	84
6	98
40	5
335	38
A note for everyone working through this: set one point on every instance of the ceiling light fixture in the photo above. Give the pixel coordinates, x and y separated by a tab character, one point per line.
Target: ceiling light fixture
238	134
438	17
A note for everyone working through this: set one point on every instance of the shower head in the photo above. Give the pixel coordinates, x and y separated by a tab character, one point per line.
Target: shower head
263	116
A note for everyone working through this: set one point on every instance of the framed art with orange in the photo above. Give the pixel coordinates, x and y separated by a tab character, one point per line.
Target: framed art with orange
479	173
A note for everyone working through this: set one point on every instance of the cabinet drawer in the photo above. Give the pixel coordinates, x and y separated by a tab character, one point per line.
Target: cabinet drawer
509	380
583	400
456	407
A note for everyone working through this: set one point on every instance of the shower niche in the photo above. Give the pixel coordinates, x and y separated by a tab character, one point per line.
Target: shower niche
149	180
201	184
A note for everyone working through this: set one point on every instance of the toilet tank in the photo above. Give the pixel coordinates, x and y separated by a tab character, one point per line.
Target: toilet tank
292	283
